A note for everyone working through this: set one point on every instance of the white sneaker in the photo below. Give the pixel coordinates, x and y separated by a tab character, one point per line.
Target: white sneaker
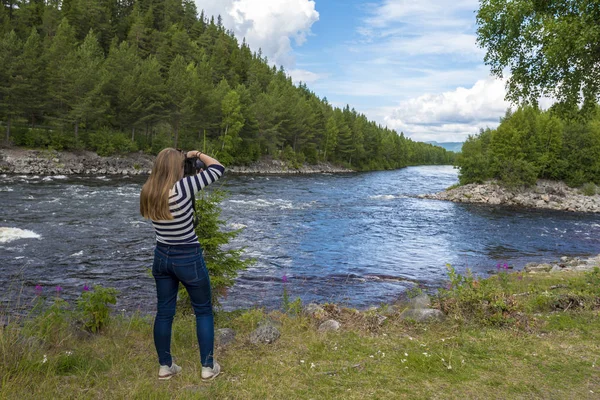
166	372
211	373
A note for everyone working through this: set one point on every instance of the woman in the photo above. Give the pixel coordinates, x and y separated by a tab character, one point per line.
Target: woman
167	199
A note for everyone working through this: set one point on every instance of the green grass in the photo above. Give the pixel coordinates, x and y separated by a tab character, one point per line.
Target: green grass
554	355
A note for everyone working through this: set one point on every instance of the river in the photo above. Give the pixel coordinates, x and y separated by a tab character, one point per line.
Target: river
357	239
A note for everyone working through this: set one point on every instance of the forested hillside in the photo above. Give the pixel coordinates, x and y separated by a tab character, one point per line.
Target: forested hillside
530	144
125	75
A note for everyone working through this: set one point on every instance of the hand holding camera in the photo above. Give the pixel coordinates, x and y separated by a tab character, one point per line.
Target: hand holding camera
192	164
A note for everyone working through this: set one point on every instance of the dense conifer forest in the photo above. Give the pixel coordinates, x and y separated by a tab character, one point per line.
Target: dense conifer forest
128	75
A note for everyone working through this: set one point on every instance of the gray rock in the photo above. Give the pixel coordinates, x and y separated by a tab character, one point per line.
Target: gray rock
593	262
225	336
329	325
558	268
266	333
421	301
535	267
314	311
575	262
423	314
496	200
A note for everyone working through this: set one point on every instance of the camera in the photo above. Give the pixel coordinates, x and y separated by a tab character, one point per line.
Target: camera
192	165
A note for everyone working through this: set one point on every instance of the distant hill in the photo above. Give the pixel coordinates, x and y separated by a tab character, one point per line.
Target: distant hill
450	146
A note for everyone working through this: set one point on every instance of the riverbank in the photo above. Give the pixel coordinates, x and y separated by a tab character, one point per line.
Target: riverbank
544	195
513	335
51	162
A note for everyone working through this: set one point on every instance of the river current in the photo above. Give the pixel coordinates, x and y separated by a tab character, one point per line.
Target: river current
357	239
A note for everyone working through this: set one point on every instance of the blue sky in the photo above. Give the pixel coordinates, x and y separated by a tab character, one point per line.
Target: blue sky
413	66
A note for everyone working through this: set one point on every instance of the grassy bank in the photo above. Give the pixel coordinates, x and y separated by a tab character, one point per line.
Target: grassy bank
509	336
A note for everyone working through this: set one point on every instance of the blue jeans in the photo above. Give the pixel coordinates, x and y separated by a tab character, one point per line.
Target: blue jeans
185	264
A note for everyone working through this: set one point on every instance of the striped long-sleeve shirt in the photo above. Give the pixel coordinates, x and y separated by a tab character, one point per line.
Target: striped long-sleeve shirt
180	230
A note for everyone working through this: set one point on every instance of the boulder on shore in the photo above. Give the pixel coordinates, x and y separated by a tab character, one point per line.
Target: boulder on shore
315	311
266	333
329	325
422	314
419	309
224	336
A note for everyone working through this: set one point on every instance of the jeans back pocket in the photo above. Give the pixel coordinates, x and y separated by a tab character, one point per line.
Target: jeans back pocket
186	271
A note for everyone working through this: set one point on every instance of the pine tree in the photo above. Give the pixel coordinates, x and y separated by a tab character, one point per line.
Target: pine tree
32	94
344	148
11	80
60	71
331	138
92	15
177	93
220	59
233	122
152	100
29	14
51	18
198	105
85	99
120	85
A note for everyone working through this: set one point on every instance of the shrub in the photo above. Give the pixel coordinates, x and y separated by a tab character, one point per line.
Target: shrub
311	155
62	141
485	301
293	159
576	178
589	189
250	319
93	307
592	279
159	142
223	264
106	142
473	169
51	324
34	138
516	172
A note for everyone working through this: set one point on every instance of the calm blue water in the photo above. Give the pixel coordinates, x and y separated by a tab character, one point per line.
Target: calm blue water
358	239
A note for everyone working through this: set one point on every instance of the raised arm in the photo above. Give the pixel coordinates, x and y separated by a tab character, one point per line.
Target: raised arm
205	158
214	170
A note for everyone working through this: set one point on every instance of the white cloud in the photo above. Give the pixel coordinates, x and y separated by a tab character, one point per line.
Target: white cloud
434	43
421	14
379	78
423	57
451	116
302	75
271	25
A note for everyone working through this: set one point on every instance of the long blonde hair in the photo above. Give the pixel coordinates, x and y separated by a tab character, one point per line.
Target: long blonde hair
166	171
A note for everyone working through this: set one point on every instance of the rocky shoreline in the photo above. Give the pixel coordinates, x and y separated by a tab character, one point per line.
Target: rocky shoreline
51	162
565	264
281	167
418	308
544	195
